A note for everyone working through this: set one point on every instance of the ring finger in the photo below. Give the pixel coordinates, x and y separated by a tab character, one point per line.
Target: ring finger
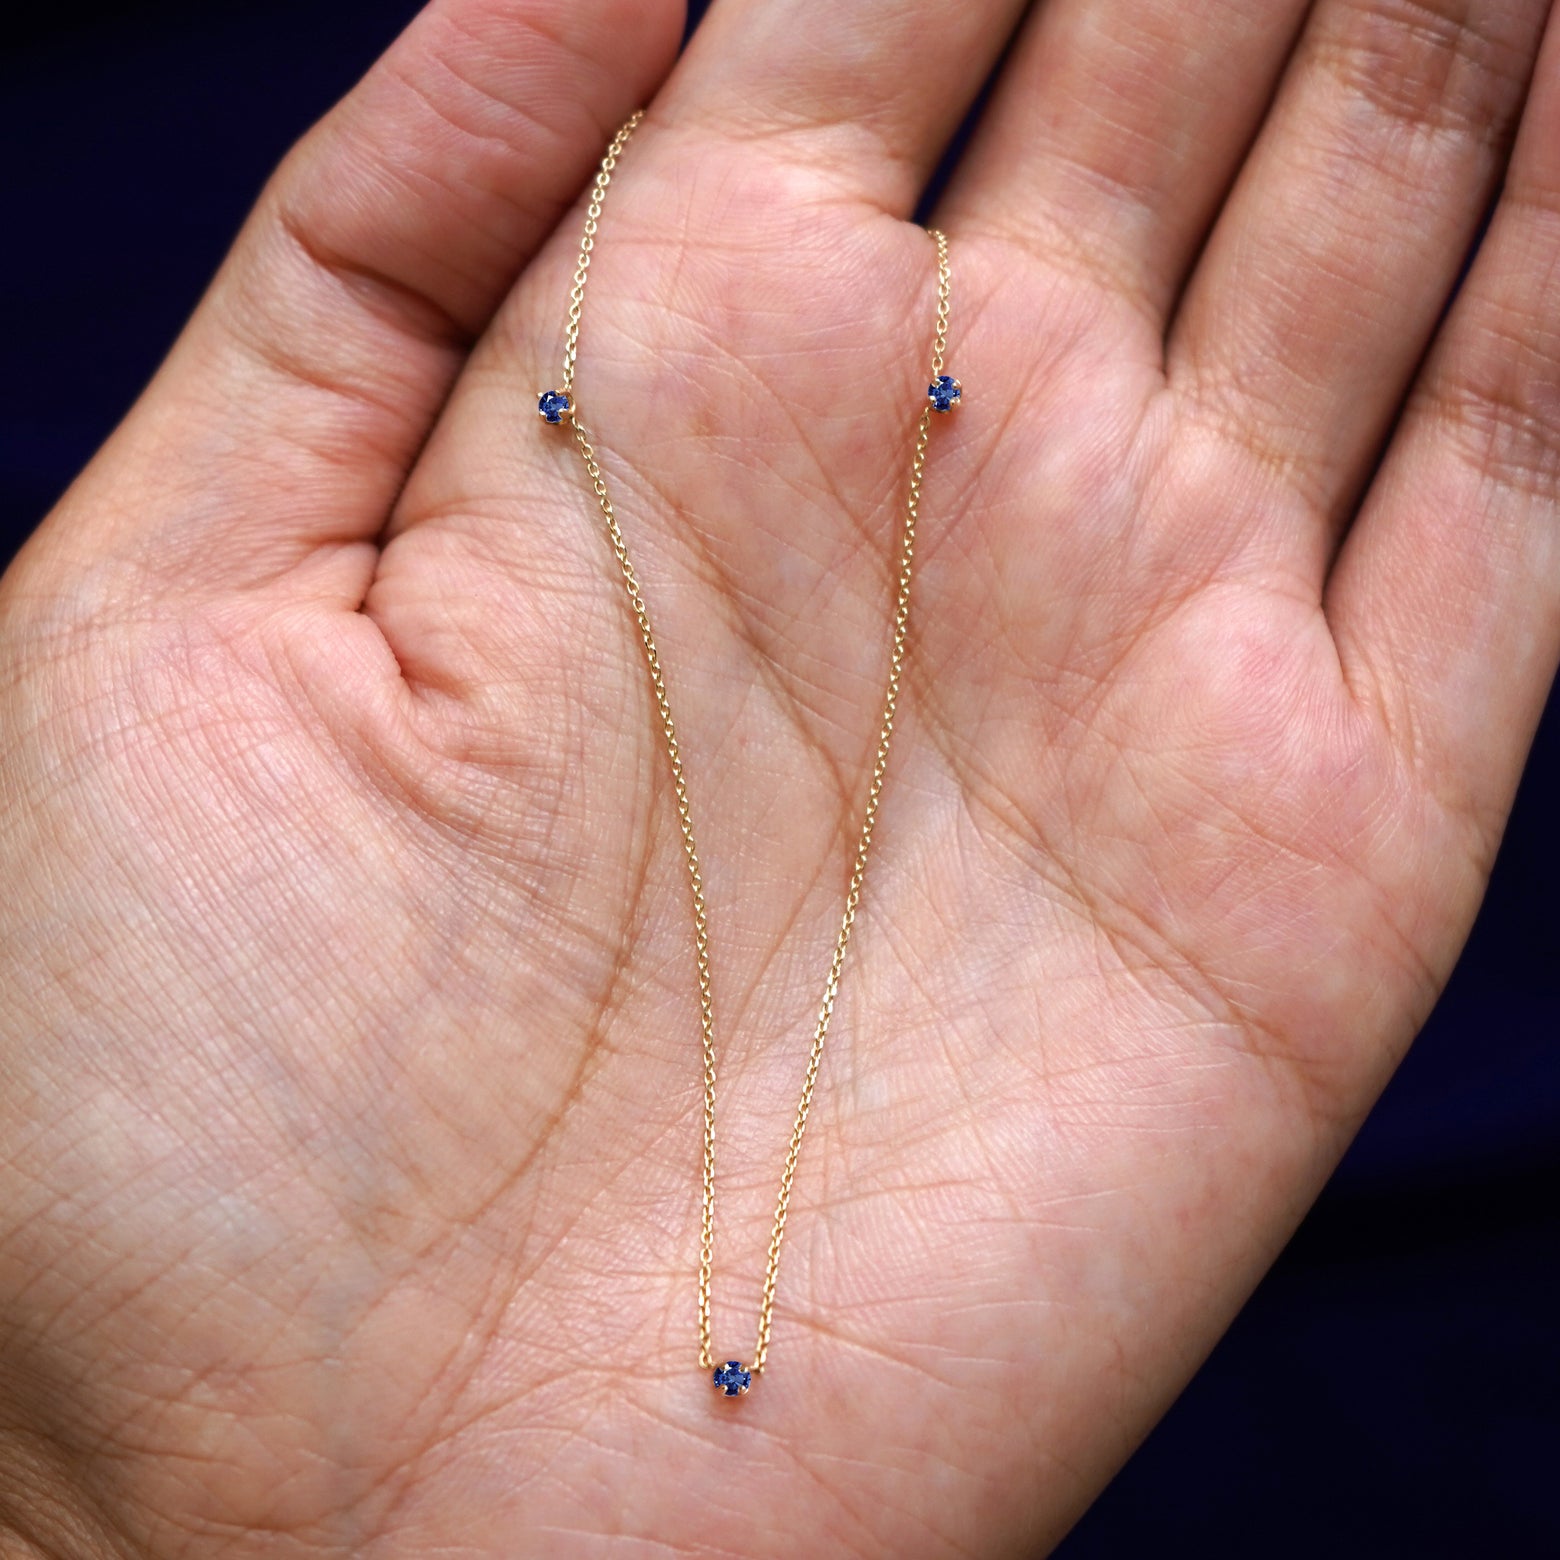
1333	259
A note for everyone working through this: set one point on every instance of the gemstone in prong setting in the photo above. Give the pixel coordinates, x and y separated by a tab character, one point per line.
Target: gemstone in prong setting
554	405
733	1378
945	392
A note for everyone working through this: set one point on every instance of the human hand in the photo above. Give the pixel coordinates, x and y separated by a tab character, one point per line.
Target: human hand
351	1120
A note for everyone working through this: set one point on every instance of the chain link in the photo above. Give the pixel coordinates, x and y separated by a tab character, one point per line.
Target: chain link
571	350
901	620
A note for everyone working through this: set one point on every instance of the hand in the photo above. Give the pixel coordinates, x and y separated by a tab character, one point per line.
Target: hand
350	1188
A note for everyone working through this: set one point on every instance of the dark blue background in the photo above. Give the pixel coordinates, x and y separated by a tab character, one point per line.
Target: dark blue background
1394	1387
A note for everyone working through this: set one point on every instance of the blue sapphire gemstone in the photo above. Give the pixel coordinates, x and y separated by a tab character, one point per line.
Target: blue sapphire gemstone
553	404
944	392
732	1379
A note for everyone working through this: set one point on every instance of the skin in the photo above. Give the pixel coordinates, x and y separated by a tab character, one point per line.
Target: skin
349	1095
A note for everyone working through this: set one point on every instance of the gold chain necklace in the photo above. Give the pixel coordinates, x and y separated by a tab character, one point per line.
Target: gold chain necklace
731	1377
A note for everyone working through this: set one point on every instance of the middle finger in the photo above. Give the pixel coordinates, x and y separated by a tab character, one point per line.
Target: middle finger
1114	132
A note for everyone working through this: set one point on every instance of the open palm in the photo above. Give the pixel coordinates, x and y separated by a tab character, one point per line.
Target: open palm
352	1096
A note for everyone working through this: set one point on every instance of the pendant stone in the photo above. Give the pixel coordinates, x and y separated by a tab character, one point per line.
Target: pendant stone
554	405
944	392
732	1379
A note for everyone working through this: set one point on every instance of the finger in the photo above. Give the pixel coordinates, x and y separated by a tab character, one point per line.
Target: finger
1446	597
866	92
1332	260
289	412
1114	133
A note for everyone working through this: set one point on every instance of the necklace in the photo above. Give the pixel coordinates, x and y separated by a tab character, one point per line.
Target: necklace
731	1377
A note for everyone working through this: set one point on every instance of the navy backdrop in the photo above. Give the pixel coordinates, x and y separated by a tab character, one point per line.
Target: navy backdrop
1393	1389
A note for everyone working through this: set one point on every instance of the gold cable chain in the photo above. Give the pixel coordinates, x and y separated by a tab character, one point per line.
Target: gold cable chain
680	783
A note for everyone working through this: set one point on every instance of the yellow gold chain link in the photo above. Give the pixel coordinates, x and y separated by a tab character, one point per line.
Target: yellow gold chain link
901	619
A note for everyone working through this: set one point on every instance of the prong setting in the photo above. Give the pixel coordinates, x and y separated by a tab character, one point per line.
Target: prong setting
945	392
552	406
732	1379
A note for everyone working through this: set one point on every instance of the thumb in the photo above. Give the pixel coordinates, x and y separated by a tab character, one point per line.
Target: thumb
286	417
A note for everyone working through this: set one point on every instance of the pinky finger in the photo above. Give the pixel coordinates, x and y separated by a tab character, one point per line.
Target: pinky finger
1445	601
